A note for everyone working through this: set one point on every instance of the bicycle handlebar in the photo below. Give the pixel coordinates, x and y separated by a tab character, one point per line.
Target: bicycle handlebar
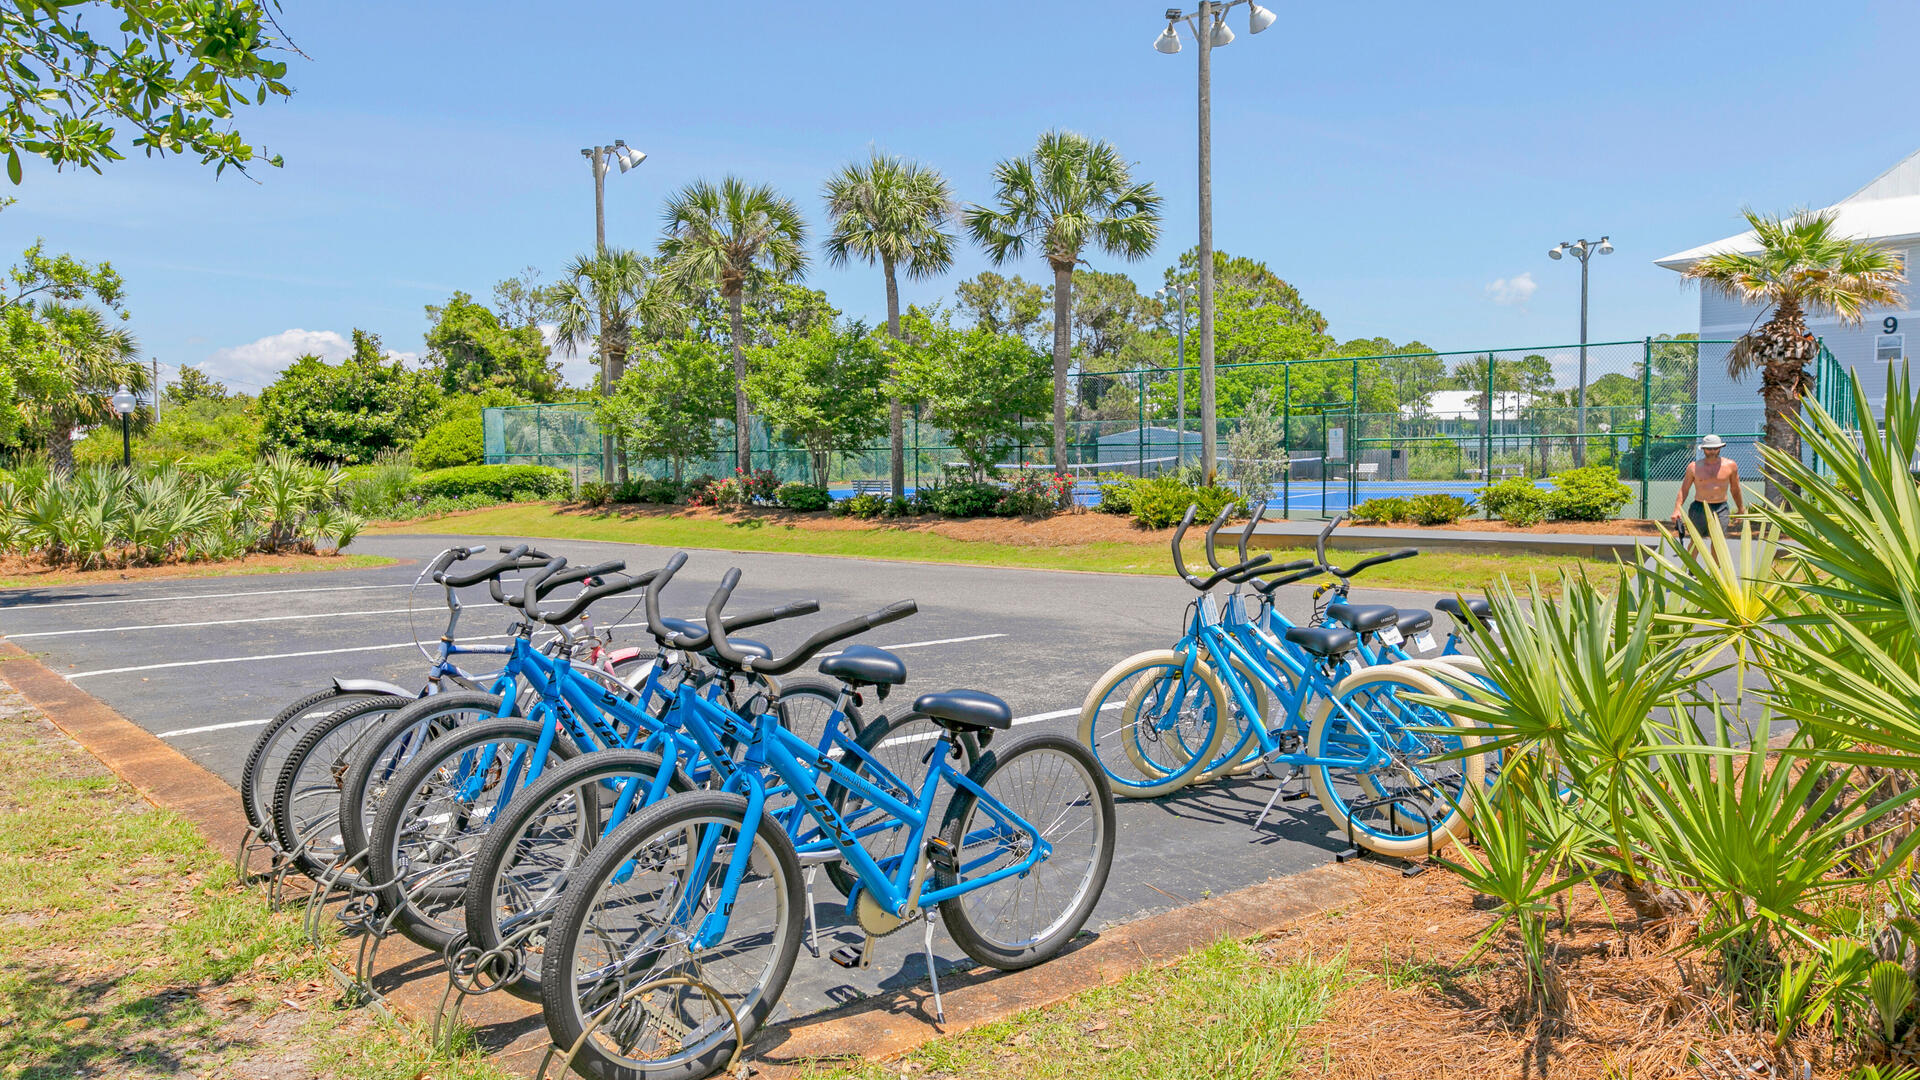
474	577
1203	584
580	603
1376	560
717	630
1213	530
1311	569
666	637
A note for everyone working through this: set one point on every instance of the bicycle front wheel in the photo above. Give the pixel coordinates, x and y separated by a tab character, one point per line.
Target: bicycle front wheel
1377	777
625	927
387	747
1054	785
1152	724
275	741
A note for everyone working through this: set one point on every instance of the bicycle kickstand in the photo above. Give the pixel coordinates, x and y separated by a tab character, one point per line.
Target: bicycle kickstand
933	974
813	924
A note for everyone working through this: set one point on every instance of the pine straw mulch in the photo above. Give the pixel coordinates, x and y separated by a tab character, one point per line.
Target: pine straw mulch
1626	1005
26	572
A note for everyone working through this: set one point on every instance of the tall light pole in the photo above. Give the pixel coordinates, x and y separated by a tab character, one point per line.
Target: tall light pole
1179	291
1583	251
603	158
124	403
1209	27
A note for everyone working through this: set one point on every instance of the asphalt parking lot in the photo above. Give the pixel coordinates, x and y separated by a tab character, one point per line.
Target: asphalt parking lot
204	663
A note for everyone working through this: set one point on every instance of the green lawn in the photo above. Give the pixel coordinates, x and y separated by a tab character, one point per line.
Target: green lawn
1439	572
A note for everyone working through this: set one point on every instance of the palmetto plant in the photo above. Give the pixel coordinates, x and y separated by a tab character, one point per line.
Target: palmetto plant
895	213
95	359
1804	267
1068	193
721	234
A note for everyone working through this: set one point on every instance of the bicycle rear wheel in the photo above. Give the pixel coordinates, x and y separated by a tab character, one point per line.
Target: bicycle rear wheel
1054	784
1379	781
437	812
388	747
627	919
901	748
524	865
275	741
1152	725
306	794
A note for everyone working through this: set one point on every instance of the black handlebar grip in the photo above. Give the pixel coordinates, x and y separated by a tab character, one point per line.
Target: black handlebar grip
1320	542
1259	511
494	569
443	560
654	623
716	626
1214	530
1203	584
599	592
581	573
891	613
1378	559
770	615
1179	534
529	587
1267	587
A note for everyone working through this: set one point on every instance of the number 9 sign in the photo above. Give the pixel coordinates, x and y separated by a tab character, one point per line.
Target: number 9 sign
1890	325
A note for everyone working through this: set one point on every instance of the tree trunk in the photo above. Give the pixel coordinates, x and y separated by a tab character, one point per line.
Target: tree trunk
617	362
60	448
1062	327
1784	349
820	468
742	420
606	391
896	416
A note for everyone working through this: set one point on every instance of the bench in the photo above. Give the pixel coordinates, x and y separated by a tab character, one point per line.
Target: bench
1367	470
873	487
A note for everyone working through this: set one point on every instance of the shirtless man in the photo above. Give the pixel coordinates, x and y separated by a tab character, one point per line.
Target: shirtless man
1711	480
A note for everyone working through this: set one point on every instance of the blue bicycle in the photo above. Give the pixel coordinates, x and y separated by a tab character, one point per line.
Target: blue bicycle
1157	720
675	938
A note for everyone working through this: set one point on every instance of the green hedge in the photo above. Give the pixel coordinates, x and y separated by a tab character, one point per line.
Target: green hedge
506	483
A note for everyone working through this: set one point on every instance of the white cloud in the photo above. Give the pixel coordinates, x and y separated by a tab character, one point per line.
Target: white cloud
1517	289
257	363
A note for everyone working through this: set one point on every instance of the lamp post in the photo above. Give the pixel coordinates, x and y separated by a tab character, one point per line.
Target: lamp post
123	403
1584	251
1179	291
1209	27
603	158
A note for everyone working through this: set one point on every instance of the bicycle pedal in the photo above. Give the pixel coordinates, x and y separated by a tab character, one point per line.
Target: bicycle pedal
942	856
853	956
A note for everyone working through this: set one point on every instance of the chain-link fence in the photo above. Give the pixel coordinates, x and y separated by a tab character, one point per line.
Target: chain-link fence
1327	433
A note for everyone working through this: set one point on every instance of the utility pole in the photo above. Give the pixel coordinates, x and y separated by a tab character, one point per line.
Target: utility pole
156	390
603	157
1584	251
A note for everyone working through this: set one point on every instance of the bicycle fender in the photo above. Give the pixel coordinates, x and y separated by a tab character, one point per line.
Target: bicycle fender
371	686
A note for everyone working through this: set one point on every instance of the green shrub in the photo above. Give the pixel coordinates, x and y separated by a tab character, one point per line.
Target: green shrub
1387	510
1437	509
759	486
1593	493
1162	501
1116	493
1516	500
717	494
866	506
968	498
504	483
645	489
1033	494
451	443
596	493
925	500
803	497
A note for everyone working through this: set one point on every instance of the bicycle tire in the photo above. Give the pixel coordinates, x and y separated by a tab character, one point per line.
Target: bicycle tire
1058	828
874	740
1122	739
507	852
776	885
374	761
260	771
313	768
1413	833
431	909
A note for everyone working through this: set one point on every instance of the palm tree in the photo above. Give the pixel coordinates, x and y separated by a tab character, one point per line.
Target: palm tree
93	360
603	298
1070	192
722	234
895	213
1802	268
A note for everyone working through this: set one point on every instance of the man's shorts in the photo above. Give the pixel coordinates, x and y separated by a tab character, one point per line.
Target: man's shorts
1697	512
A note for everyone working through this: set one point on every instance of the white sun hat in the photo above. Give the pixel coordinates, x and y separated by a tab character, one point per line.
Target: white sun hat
1712	442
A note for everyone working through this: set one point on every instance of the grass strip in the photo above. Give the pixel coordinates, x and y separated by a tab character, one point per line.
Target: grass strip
1437	572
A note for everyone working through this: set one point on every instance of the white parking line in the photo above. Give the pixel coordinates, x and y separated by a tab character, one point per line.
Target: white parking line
409	645
1017	721
202	596
211	622
211	727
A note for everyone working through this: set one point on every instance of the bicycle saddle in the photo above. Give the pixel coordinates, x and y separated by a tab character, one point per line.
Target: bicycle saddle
1363	618
864	665
1414	620
965	710
1480	608
1323	641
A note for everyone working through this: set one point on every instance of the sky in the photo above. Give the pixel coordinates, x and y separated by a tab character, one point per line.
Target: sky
1406	166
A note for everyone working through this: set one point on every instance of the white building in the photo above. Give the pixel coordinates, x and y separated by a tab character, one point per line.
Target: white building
1887	211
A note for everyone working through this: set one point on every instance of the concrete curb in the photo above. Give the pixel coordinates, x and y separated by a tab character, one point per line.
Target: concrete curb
872	1029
